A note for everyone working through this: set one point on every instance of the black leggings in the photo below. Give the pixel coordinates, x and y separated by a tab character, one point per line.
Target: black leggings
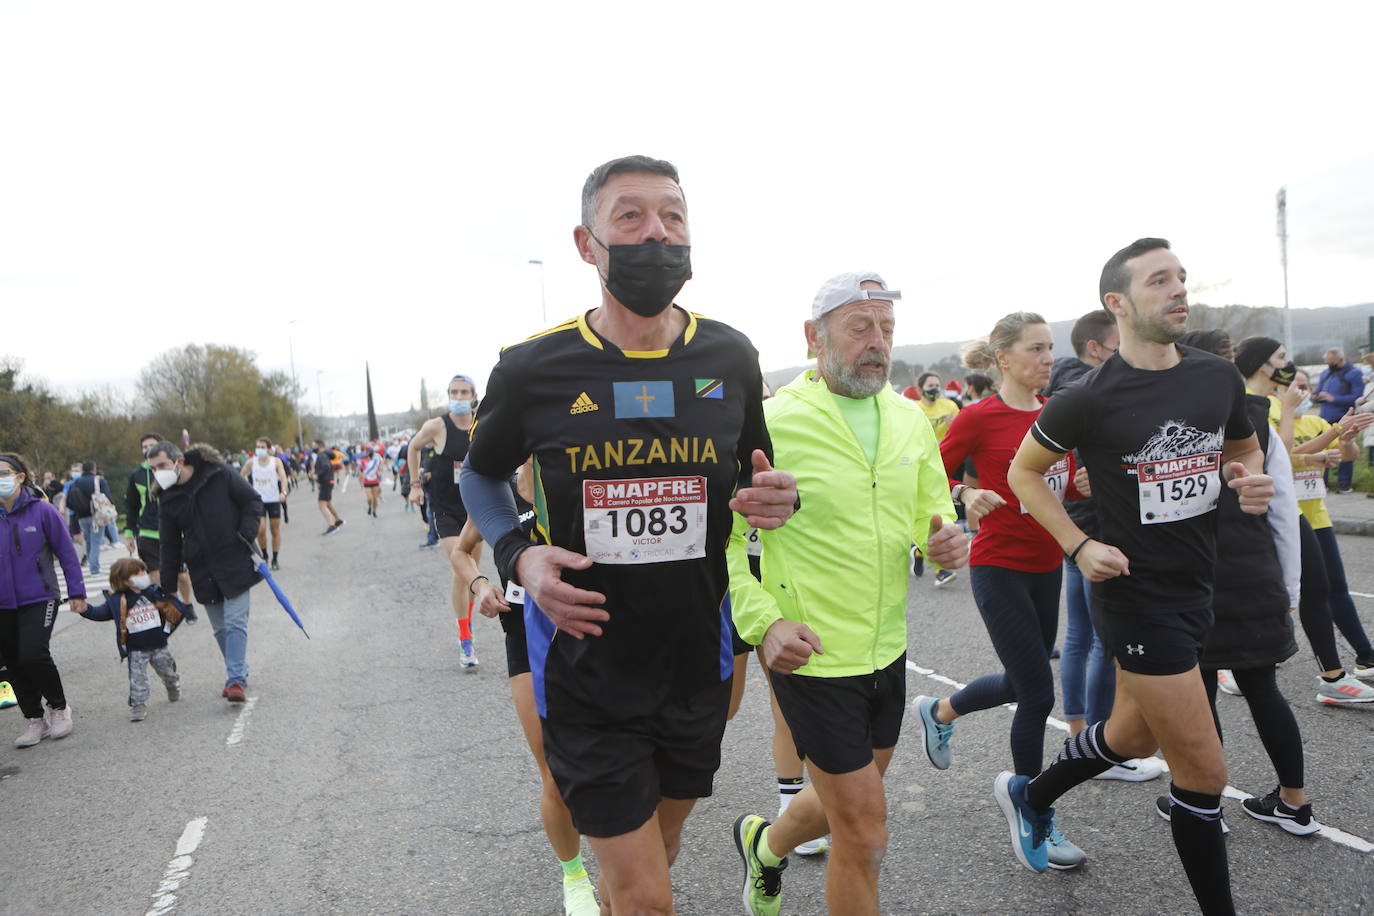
1314	607
24	635
1343	611
1021	613
1274	720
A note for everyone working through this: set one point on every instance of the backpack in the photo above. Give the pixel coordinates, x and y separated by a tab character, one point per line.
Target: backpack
102	510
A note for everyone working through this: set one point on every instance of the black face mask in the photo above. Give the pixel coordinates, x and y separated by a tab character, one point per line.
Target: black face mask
645	277
931	393
1284	375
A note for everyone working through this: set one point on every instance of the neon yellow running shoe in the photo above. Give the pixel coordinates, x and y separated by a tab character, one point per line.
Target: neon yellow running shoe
762	891
7	698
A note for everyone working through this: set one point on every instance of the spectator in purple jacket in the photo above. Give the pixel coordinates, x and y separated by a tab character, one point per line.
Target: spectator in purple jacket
1338	388
32	533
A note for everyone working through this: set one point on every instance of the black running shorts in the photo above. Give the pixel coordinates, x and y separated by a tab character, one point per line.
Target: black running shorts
448	524
149	551
837	722
613	775
517	650
1157	644
326	492
272	510
737	644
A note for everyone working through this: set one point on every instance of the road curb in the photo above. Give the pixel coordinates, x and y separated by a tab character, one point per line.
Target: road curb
1345	526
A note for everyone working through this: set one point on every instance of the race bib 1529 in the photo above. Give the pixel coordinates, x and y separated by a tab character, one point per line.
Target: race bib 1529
644	520
1174	489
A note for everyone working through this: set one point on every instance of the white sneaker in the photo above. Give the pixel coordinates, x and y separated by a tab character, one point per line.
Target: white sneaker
813	847
1346	690
578	898
60	721
1227	682
1141	769
35	731
1362	670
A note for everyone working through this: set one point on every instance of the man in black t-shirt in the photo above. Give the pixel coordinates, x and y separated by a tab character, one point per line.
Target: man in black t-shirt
645	422
1161	428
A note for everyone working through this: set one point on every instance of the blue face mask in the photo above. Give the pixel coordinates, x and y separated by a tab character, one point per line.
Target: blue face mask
461	408
1304	405
8	485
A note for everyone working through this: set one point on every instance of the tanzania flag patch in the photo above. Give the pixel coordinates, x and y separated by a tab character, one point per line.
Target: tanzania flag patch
711	388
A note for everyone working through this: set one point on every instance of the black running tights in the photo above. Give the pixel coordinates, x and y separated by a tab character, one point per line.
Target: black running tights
1021	612
24	635
1314	607
1274	720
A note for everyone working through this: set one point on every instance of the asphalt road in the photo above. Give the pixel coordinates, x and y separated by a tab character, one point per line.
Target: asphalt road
370	774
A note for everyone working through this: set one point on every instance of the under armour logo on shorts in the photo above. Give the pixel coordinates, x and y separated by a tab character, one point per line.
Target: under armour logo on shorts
1135	650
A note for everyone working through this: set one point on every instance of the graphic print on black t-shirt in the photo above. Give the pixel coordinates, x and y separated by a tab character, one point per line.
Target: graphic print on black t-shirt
636	456
1179	472
1152	443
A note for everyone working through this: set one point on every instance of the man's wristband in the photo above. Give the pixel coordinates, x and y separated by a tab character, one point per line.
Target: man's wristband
474	582
506	551
958	491
1074	556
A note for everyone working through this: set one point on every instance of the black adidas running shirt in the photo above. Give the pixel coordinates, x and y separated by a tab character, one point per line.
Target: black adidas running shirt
636	458
1152	443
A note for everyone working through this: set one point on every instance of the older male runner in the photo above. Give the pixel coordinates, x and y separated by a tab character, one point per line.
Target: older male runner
832	621
645	422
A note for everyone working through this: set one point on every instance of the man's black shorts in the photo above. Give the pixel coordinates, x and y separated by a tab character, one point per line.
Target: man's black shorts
1158	644
447	524
517	650
837	722
372	485
149	551
326	492
272	510
613	775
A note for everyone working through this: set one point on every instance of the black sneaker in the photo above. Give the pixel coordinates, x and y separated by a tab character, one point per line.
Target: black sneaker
1164	804
1274	810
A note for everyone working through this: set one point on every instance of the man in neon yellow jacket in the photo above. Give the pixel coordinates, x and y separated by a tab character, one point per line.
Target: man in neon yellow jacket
830	612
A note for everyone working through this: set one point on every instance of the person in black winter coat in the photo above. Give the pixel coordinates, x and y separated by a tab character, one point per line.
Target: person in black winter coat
208	516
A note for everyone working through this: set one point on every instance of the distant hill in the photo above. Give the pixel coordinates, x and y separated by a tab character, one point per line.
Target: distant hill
1314	329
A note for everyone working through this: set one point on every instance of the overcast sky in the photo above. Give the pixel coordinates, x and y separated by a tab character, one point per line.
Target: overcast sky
381	174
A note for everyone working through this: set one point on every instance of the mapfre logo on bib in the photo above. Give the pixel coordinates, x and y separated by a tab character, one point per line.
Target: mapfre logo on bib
1178	473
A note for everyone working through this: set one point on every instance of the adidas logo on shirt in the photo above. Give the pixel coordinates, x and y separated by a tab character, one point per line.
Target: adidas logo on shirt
583	404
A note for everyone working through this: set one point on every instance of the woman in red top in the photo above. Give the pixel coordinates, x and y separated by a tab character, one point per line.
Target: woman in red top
1015	566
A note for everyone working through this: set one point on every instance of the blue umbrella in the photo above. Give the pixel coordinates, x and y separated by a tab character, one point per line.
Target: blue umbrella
276	589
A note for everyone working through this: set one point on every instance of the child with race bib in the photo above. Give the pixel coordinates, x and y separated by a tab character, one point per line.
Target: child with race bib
144	617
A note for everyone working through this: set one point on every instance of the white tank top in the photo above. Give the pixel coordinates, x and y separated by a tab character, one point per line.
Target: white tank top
265	480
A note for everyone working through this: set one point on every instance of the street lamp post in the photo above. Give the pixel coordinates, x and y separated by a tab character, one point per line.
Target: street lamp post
295	387
543	309
319	392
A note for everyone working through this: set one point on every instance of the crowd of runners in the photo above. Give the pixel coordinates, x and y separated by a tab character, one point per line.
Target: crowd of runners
656	516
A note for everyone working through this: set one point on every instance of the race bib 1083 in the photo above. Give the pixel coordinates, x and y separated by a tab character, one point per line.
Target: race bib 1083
644	520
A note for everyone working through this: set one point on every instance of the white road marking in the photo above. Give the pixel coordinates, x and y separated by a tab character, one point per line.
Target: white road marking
241	723
1335	835
1362	595
164	898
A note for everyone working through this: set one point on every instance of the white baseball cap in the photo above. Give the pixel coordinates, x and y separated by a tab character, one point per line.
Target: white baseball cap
843	289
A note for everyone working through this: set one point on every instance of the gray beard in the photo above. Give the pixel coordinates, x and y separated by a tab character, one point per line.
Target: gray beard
848	381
